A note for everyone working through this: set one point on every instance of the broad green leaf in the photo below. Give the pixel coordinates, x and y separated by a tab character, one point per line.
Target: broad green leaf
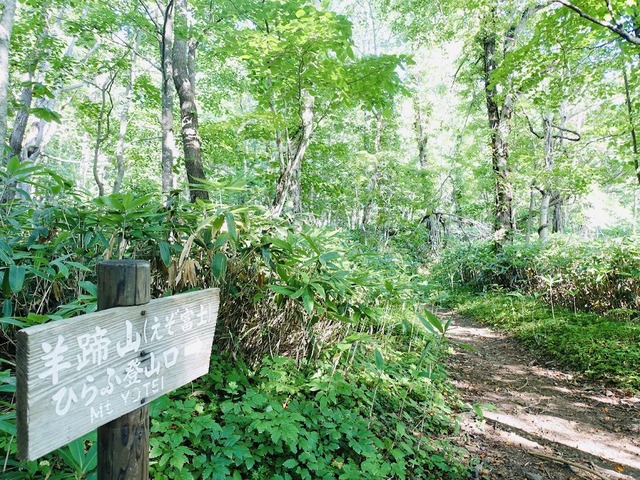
221	240
16	277
231	225
424	353
90	287
219	265
6	286
165	253
7	423
281	290
431	322
91	458
46	114
307	300
358	337
7	308
216	225
329	257
280	244
12	321
319	290
298	293
379	359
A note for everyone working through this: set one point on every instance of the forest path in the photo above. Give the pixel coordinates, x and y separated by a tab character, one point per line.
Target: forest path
538	409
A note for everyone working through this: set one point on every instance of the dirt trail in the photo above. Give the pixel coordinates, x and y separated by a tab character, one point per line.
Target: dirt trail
539	409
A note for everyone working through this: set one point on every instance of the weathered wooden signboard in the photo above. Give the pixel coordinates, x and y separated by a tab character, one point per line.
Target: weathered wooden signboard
78	374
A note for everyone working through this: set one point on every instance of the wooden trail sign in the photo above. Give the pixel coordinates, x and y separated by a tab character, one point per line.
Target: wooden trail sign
77	374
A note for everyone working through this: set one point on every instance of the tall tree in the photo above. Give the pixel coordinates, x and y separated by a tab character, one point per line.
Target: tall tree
301	63
165	41
184	78
6	26
499	112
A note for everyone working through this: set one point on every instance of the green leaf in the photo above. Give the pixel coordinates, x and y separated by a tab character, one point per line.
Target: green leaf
41	91
165	253
12	321
16	277
90	287
76	449
329	257
46	114
431	322
7	308
423	356
231	225
307	300
479	408
379	359
219	265
91	458
281	290
8	423
358	337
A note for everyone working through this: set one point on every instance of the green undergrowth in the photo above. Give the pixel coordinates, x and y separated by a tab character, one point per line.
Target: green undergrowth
363	411
322	370
600	348
375	405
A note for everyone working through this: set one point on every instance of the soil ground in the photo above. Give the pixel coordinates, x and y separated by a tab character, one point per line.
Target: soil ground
544	423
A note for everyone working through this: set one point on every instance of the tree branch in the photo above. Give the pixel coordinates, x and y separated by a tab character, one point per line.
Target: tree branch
608	25
531	127
576	138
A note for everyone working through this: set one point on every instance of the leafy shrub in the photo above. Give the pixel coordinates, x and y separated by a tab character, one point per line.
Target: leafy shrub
599	276
294	423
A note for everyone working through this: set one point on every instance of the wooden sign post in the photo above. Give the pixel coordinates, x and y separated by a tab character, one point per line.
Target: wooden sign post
123	443
104	368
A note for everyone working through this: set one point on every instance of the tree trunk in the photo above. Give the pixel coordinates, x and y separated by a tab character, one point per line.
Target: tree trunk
26	98
21	121
436	228
422	137
184	80
543	224
272	107
17	136
375	178
559	218
124	123
631	119
6	27
499	124
42	131
166	119
530	215
103	129
289	183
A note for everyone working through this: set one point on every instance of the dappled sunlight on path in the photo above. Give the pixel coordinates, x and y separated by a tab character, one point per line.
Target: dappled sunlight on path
538	409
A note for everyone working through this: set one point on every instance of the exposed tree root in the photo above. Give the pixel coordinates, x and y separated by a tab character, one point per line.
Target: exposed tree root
567	462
